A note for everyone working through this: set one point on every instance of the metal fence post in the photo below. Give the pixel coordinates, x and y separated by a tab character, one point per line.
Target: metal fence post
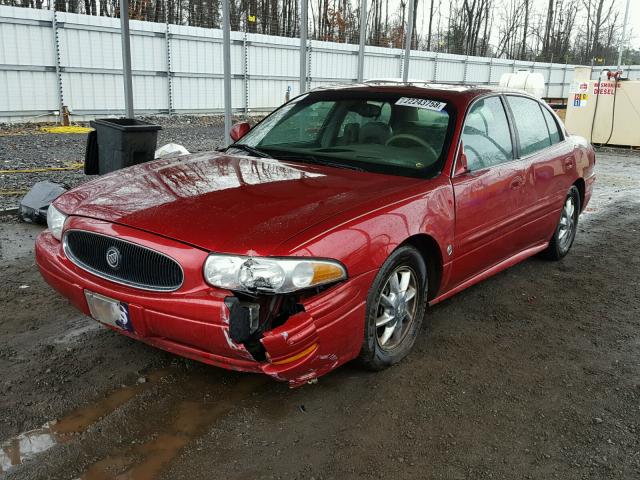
363	39
309	64
549	79
303	45
167	37
490	70
245	70
56	56
466	68
226	64
126	57
407	46
435	68
564	79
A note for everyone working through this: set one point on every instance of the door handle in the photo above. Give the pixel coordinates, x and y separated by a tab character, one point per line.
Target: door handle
516	183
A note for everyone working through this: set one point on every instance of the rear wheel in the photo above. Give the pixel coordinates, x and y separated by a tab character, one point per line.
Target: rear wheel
395	308
565	232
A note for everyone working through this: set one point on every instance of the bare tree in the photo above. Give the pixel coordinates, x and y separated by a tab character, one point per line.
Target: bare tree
571	30
430	25
508	29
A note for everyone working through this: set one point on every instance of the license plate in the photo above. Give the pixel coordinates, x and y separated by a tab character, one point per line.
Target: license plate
109	311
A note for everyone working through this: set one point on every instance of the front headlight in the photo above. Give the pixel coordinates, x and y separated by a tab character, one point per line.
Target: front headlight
272	275
55	221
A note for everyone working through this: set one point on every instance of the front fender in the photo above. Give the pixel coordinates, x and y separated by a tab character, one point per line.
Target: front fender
363	239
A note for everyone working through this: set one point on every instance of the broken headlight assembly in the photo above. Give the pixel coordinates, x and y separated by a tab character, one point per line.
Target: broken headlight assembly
270	275
55	221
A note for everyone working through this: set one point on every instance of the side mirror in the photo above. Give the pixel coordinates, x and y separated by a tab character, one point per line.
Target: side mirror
462	165
239	130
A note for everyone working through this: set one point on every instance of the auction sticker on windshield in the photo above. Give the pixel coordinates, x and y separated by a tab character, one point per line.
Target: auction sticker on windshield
421	103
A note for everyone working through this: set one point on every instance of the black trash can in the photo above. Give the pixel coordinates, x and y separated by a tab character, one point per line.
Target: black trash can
123	142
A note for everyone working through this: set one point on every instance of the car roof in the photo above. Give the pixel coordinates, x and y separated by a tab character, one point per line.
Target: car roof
459	92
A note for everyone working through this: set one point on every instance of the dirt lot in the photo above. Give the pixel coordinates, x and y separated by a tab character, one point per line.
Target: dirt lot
26	147
534	373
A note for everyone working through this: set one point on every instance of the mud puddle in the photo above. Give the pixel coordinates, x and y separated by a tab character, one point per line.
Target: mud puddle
29	444
167	411
189	420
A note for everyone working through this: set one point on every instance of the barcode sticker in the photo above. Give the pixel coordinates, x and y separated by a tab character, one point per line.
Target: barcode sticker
421	103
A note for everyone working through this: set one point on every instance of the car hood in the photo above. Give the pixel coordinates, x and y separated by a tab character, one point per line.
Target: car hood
231	204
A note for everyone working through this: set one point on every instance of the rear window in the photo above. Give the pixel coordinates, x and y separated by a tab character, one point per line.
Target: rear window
531	126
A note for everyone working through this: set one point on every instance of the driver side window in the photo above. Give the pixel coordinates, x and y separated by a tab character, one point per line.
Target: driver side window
486	135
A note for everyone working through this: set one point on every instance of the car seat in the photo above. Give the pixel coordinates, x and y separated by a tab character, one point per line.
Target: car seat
375	132
351	133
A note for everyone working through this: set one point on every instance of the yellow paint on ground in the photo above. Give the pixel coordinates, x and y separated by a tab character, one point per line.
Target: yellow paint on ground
71	166
12	193
69	129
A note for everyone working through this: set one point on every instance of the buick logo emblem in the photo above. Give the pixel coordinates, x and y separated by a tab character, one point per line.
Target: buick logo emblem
113	257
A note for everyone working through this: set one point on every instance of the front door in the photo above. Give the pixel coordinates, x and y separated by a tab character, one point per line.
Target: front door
489	197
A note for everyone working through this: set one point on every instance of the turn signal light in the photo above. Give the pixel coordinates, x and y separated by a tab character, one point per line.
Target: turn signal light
297	356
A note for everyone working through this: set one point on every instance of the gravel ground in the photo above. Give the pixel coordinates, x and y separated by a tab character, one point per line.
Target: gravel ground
533	373
25	147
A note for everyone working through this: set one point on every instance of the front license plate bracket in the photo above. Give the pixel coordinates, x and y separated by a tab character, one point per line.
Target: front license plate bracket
109	311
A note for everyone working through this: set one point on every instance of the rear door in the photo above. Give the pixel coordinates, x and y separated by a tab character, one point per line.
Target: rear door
489	196
546	158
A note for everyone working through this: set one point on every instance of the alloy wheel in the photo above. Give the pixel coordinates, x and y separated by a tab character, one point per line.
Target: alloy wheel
567	223
396	308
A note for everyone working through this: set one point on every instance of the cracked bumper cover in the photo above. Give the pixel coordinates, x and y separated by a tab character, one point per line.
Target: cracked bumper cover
194	321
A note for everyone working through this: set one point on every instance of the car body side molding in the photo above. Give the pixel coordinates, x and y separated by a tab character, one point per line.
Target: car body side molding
503	265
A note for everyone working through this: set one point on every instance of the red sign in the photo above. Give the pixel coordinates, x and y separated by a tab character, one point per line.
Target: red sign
604	88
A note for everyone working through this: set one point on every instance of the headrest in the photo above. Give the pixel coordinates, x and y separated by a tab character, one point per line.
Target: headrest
375	132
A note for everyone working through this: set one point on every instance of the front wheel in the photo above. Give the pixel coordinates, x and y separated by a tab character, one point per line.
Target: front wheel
565	232
395	308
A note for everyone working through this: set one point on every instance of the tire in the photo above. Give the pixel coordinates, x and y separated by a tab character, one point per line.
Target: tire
565	232
390	342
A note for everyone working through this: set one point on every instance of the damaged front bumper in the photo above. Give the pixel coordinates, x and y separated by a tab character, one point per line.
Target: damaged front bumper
194	321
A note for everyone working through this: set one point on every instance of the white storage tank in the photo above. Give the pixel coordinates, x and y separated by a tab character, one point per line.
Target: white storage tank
530	82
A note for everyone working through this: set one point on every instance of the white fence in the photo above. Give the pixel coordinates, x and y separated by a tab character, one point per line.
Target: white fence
75	60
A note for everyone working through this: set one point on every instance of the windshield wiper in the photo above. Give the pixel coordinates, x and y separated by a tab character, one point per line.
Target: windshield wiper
316	160
252	150
340	165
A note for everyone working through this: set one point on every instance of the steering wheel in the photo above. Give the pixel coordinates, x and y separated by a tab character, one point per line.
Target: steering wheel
414	139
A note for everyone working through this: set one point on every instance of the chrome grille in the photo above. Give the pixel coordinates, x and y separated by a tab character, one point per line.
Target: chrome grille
136	266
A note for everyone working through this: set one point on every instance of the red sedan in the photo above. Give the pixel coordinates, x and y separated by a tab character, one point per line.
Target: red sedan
323	233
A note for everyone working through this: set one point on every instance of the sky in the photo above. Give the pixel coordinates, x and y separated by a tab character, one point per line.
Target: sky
634	21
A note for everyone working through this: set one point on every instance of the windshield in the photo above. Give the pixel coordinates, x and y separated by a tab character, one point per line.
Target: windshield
384	133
